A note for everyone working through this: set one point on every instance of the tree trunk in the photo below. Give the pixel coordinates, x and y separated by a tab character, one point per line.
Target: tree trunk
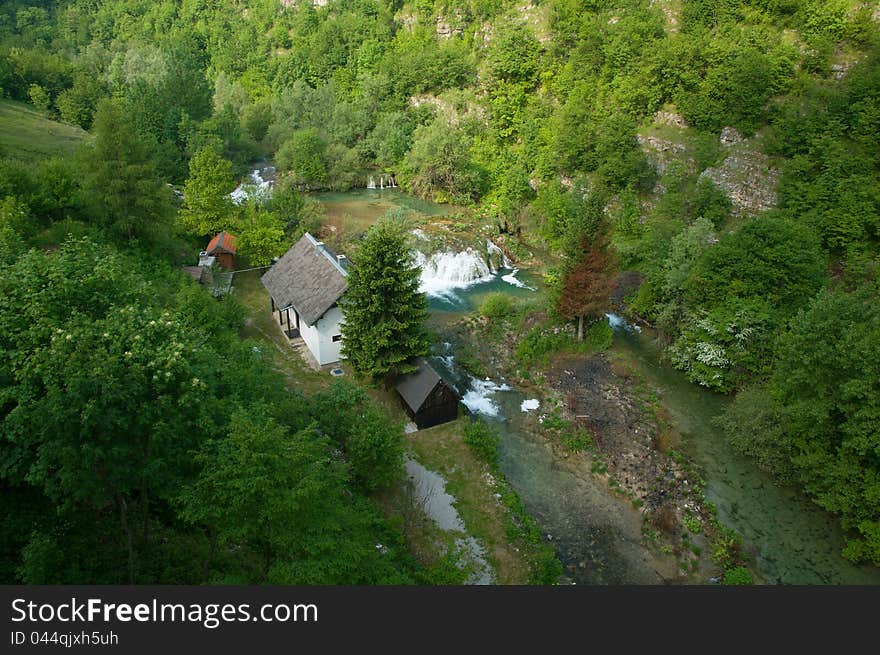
212	548
124	519
580	328
145	500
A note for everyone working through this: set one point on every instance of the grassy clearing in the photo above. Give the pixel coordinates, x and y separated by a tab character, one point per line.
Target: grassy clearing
443	450
262	326
25	133
671	133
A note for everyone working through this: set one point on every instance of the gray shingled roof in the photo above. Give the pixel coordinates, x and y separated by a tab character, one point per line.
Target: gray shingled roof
307	278
416	387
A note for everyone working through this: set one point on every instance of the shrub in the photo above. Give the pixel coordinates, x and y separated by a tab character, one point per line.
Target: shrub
539	342
578	440
738	575
547	569
599	336
483	440
497	306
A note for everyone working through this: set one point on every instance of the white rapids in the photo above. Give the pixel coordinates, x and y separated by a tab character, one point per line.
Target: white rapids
479	397
256	187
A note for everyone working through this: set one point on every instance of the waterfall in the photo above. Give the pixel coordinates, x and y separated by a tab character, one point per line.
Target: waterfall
385	182
444	272
255	187
494	254
493	249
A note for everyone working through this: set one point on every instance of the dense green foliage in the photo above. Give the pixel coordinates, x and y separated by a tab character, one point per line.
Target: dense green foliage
121	186
366	432
206	204
106	494
822	429
383	330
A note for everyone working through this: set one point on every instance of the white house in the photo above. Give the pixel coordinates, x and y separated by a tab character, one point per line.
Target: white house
305	285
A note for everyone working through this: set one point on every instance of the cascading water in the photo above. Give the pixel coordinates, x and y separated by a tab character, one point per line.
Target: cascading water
258	186
448	272
479	397
445	272
619	323
494	250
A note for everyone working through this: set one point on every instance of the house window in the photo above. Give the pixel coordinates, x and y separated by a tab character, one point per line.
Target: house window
337	338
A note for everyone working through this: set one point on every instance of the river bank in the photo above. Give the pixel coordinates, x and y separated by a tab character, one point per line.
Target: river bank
586	463
616	457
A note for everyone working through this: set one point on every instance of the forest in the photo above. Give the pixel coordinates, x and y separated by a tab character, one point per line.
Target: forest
725	152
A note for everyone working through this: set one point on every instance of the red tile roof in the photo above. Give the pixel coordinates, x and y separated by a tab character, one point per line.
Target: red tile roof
223	241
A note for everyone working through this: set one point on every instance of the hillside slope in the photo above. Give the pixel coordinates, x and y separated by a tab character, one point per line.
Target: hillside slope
25	133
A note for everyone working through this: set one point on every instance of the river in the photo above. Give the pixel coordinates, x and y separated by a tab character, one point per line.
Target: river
597	535
792	540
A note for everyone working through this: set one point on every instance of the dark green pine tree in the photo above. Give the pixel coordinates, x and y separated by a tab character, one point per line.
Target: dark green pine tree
384	311
121	188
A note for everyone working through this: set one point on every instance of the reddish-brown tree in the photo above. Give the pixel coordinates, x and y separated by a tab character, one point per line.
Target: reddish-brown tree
587	286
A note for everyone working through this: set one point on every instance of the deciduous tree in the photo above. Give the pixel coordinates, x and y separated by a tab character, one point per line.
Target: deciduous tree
207	207
587	286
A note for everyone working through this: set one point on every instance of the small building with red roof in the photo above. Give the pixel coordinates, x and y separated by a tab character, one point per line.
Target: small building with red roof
223	248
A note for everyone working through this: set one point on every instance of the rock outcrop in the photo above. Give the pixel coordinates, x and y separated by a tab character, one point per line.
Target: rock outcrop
730	136
748	179
670	118
661	153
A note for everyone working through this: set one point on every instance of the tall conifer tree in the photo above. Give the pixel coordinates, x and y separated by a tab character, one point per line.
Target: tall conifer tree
384	311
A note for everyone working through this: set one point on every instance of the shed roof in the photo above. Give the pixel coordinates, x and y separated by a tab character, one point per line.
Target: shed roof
224	242
195	272
416	387
308	277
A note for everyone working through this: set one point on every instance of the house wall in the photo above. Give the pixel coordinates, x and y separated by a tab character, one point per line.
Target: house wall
319	337
439	407
226	260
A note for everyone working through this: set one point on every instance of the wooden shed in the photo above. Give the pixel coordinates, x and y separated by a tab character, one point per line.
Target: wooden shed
223	248
427	398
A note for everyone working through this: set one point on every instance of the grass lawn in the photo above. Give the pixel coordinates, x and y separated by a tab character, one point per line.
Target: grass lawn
470	481
25	133
262	326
